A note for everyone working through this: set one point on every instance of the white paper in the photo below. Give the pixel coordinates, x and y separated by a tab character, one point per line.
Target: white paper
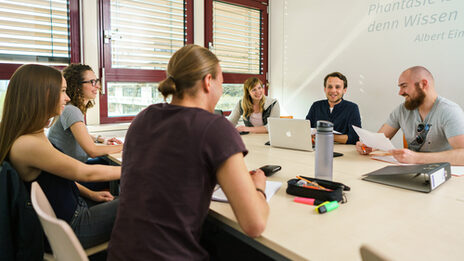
271	188
457	170
388	158
374	140
314	131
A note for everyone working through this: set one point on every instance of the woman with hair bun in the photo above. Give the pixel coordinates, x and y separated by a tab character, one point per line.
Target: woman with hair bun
174	154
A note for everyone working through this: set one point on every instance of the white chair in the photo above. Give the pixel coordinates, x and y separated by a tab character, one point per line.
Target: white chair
63	241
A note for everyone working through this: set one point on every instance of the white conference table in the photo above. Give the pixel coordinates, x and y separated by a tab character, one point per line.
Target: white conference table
400	224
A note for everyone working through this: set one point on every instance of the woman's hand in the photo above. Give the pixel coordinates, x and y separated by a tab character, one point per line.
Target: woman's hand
112	141
259	178
101	196
242	128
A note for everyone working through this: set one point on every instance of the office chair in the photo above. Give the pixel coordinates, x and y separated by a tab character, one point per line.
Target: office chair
63	241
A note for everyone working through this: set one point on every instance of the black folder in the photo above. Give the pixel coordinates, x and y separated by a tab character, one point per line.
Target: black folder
423	177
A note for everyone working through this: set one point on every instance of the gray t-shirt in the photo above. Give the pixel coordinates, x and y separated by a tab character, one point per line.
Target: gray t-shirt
446	120
61	136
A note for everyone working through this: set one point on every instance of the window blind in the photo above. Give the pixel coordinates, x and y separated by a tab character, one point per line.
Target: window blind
34	31
145	33
237	38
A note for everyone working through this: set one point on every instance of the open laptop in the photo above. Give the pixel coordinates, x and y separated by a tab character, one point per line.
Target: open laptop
290	133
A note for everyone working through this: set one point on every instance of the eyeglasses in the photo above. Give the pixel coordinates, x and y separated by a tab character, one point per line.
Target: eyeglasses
422	130
93	82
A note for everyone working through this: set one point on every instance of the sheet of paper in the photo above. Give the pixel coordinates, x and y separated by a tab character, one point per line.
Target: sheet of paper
271	188
388	158
314	131
457	170
373	139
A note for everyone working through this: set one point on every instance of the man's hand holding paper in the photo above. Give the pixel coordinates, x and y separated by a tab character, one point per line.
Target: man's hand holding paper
372	140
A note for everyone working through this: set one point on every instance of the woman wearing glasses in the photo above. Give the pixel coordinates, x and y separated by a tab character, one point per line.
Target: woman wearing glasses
69	133
255	108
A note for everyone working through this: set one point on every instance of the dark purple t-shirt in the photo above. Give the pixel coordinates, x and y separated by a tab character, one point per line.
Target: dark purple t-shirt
171	155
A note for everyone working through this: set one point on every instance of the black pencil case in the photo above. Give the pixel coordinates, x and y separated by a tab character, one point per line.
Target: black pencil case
336	192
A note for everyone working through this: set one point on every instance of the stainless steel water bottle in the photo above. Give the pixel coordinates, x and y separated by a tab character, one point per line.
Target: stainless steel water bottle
324	150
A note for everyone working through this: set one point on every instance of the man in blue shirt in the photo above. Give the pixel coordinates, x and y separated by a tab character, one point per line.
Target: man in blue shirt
340	112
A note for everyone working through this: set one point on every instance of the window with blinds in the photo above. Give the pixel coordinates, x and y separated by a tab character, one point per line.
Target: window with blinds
139	38
145	33
35	31
237	38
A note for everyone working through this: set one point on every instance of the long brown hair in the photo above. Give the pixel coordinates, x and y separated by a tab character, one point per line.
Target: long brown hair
32	98
188	65
247	102
74	77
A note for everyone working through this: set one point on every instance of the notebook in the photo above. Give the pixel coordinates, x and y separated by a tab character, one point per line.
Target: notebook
290	133
271	188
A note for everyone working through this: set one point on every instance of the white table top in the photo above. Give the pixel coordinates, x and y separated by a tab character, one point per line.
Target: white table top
402	224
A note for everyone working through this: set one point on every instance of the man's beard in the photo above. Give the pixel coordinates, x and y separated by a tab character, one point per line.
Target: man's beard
414	103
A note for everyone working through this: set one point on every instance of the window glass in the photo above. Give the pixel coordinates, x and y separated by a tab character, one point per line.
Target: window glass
236	37
139	38
3	87
144	34
129	98
35	31
231	94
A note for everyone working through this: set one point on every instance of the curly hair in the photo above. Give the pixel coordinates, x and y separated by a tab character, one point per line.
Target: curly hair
74	76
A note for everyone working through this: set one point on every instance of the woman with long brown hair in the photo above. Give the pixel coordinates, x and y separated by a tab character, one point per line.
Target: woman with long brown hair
254	108
173	156
35	95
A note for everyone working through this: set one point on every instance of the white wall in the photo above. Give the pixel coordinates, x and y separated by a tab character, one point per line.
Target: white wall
311	38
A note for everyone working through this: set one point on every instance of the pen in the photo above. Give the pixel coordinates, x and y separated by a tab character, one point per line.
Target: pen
308	201
314	184
364	149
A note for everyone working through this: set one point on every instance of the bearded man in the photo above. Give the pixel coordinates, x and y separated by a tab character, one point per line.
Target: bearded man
342	113
432	125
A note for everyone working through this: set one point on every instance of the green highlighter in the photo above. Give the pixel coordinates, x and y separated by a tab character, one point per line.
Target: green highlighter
326	207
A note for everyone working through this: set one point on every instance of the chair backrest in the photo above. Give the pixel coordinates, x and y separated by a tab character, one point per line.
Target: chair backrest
61	237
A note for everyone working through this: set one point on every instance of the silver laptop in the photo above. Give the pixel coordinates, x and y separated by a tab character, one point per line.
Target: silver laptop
290	133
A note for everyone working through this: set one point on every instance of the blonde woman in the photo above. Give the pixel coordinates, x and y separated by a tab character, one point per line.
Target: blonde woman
35	94
254	108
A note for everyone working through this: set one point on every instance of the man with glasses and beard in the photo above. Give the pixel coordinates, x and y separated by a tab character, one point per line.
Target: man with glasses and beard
430	123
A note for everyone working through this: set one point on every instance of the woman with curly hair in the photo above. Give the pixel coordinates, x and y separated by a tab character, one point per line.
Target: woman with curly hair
255	108
69	133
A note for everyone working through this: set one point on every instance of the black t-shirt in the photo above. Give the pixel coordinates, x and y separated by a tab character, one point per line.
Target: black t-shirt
170	158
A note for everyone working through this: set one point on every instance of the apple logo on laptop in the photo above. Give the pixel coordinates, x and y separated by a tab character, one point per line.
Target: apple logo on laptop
288	133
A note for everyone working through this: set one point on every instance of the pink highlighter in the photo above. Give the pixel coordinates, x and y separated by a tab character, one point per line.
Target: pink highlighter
308	201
